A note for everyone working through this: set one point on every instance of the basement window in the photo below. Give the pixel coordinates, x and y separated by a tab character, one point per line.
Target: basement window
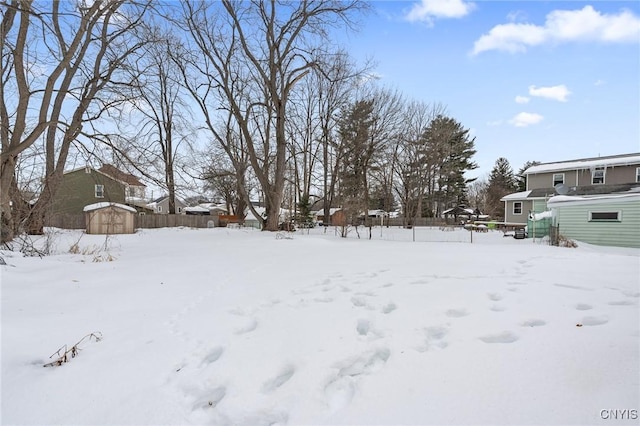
605	216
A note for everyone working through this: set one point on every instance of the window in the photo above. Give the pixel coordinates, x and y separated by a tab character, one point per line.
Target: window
637	174
558	179
179	209
604	216
99	191
597	176
517	207
159	209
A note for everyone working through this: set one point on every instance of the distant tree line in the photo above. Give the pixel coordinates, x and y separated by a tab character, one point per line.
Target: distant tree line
243	100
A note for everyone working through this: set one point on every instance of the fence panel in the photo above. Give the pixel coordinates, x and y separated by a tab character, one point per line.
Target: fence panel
66	221
175	220
77	221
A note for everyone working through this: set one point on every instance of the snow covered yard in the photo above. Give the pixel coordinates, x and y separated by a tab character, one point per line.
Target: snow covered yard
238	327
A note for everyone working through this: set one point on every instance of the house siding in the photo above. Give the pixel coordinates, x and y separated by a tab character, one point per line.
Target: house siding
77	190
164	204
613	175
528	206
574	223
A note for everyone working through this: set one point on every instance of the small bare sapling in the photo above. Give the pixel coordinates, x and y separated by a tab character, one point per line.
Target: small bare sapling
63	353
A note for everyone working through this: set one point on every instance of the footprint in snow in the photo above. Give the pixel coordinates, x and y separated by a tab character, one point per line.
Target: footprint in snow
341	388
389	307
621	303
434	338
359	301
496	297
210	398
533	323
212	356
504	337
364	328
252	325
280	379
456	313
593	321
583	307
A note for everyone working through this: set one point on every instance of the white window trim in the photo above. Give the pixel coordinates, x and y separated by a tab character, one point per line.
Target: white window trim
604	175
159	209
618	212
637	174
513	210
96	191
554	179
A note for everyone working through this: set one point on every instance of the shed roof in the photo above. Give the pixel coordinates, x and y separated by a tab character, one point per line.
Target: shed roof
97	206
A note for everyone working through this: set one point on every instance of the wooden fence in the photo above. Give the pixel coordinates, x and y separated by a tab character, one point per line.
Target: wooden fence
77	221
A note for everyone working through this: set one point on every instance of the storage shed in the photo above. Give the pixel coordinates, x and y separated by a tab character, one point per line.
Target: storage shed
109	218
609	220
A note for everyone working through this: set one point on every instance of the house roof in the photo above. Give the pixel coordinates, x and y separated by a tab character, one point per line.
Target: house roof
586	163
460	210
127	178
586	190
600	199
516	196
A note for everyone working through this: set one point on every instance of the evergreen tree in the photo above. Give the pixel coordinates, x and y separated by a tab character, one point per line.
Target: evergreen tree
355	134
450	149
521	178
305	218
501	182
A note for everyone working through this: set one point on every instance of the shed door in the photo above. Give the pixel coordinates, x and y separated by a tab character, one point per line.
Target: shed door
112	222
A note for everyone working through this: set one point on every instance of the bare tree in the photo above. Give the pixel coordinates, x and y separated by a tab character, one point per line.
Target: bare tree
255	53
156	120
59	60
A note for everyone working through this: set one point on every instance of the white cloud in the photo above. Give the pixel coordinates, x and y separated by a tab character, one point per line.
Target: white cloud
522	99
428	10
558	93
525	119
599	83
586	24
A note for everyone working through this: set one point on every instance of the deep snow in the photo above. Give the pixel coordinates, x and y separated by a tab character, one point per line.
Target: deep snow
221	326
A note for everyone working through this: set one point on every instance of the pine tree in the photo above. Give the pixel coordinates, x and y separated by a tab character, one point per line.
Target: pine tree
521	178
355	133
501	182
450	149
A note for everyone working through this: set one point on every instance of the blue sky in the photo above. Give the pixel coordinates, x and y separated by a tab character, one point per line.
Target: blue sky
533	80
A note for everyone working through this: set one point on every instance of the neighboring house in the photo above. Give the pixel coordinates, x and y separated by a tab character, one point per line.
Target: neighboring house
466	213
161	205
85	185
611	220
584	177
336	217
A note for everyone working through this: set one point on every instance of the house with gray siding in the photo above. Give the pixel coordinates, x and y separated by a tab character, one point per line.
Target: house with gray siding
582	177
161	205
